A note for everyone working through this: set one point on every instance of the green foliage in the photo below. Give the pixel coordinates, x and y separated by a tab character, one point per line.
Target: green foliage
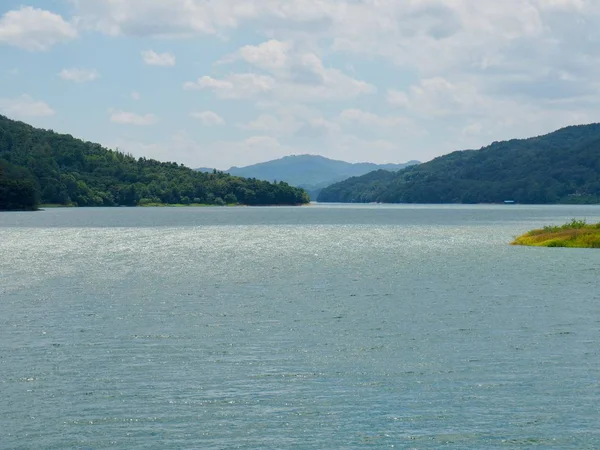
561	167
18	189
574	224
230	199
67	171
574	234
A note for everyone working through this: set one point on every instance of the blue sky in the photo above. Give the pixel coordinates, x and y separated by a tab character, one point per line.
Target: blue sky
222	83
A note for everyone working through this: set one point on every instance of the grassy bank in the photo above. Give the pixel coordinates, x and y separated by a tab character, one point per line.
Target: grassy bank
576	234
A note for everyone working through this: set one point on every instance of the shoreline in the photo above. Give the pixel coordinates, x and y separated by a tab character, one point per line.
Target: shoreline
574	234
154	205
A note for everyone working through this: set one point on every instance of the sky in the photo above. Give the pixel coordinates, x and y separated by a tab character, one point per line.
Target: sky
218	83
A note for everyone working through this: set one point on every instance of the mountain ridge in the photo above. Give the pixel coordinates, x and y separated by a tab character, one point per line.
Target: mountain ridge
310	172
559	167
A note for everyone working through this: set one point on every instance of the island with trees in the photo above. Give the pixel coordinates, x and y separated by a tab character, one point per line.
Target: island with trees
43	167
577	234
560	167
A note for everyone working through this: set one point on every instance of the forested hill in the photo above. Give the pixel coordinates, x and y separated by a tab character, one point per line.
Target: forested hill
42	166
560	167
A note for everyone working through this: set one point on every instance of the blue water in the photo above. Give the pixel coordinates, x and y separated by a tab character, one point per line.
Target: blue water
318	327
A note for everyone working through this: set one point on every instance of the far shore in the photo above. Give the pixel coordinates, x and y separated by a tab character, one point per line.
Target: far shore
159	205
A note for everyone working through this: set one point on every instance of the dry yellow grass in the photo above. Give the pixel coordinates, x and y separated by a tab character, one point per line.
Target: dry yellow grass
576	234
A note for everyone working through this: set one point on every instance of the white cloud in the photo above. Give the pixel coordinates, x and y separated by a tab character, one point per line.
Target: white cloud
439	97
470	117
429	36
191	17
129	118
437	18
135	95
34	29
152	58
299	75
278	126
79	75
292	75
432	38
208	118
439	35
24	107
154	17
367	118
284	119
397	98
479	70
237	86
271	55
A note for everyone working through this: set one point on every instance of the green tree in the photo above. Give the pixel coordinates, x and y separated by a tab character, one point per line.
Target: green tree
66	171
230	199
17	189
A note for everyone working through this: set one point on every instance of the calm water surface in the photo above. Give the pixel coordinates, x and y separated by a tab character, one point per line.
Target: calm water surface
323	327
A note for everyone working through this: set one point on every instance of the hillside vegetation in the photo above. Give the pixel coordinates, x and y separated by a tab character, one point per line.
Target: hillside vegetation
561	167
42	166
577	234
310	172
18	188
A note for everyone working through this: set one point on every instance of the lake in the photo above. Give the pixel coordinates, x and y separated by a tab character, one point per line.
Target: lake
318	327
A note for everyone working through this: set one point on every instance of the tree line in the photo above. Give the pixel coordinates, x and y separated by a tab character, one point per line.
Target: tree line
41	166
561	167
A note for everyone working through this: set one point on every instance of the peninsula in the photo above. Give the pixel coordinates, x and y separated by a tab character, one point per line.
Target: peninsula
575	234
43	167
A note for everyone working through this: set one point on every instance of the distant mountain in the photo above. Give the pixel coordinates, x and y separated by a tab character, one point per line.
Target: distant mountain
311	172
560	167
205	169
